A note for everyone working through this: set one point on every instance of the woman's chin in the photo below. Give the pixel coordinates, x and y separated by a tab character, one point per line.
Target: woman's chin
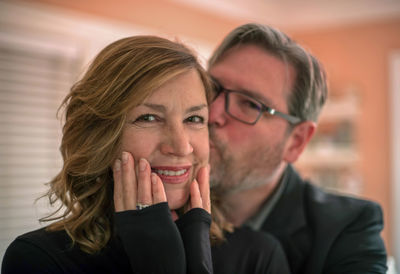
173	205
175	202
177	198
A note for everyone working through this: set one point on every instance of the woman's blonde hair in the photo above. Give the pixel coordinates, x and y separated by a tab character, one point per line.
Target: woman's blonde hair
120	77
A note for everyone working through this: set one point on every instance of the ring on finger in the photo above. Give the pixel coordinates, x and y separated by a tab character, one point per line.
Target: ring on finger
140	206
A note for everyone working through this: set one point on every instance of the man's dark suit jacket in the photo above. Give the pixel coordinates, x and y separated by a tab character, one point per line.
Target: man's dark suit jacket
327	233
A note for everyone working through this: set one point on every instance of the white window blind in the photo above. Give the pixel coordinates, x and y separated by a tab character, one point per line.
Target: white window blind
35	75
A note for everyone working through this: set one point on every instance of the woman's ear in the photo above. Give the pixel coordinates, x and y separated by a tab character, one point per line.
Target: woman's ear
299	137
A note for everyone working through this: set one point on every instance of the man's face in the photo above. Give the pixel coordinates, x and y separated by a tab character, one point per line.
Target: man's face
246	156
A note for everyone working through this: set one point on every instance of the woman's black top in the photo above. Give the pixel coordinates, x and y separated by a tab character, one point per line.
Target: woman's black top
148	241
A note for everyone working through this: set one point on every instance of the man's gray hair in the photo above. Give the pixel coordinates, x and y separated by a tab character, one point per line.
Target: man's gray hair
310	88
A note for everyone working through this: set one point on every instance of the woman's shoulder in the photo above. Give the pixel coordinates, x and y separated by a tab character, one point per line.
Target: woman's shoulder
33	250
45	239
43	251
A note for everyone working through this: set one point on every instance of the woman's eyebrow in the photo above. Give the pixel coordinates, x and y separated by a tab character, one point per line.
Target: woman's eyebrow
196	108
157	107
162	108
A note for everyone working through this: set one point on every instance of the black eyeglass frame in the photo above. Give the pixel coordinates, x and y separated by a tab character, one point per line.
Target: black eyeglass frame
293	120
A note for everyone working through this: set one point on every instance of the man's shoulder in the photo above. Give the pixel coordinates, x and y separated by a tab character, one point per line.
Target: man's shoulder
327	204
322	230
316	199
350	226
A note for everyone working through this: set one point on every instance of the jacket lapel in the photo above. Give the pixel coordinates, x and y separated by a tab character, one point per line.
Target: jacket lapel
288	221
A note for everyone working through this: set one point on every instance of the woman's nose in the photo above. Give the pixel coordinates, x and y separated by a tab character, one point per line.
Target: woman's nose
177	142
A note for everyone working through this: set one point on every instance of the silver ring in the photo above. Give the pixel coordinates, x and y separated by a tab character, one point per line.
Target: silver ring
140	206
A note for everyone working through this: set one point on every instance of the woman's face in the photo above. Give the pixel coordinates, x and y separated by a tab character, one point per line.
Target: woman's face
169	129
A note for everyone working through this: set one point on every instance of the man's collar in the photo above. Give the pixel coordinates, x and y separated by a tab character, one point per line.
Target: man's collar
257	220
288	215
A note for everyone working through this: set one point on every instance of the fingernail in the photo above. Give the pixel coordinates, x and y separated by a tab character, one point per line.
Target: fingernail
142	164
153	178
117	165
124	157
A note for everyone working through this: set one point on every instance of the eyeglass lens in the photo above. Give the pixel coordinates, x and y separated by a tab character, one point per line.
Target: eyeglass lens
243	107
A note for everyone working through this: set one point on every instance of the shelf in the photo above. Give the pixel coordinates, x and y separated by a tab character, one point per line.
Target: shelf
340	109
331	159
328	156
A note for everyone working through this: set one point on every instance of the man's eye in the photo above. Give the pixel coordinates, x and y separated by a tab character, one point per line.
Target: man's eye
251	104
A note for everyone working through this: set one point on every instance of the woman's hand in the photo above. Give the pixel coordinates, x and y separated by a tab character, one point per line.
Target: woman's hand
145	237
133	191
200	190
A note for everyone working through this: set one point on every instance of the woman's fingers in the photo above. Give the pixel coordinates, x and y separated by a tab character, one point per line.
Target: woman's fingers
118	199
157	189
195	197
132	189
147	188
200	190
129	183
144	185
203	178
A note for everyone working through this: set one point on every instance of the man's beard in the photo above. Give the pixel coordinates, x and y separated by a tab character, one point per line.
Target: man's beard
233	172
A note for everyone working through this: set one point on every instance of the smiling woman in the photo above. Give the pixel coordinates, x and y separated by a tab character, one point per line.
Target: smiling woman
134	185
140	107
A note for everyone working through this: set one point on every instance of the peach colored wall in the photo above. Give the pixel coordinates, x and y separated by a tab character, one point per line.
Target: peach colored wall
358	56
167	16
353	55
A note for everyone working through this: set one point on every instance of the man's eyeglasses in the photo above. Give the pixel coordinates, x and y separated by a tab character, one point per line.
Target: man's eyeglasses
247	109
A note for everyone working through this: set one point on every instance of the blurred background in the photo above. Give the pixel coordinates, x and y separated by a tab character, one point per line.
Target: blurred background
45	45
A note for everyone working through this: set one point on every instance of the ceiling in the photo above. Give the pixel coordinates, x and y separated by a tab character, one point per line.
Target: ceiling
300	14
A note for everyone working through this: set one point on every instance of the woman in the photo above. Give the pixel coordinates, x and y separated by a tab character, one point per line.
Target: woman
134	186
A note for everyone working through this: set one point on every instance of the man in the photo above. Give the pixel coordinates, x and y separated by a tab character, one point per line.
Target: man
269	94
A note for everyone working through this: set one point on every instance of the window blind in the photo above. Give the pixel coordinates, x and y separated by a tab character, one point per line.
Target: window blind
33	81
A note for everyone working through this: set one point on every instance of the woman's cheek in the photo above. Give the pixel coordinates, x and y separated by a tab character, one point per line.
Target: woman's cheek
140	143
201	147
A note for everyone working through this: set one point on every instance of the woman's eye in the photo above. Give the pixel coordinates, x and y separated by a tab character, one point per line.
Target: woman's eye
146	118
195	119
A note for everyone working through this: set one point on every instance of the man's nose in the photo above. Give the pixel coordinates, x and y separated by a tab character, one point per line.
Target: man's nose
217	114
177	142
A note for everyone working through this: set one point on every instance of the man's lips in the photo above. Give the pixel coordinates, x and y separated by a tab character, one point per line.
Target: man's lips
212	146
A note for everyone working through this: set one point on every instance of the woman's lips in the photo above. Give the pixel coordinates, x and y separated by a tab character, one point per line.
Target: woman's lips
172	174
